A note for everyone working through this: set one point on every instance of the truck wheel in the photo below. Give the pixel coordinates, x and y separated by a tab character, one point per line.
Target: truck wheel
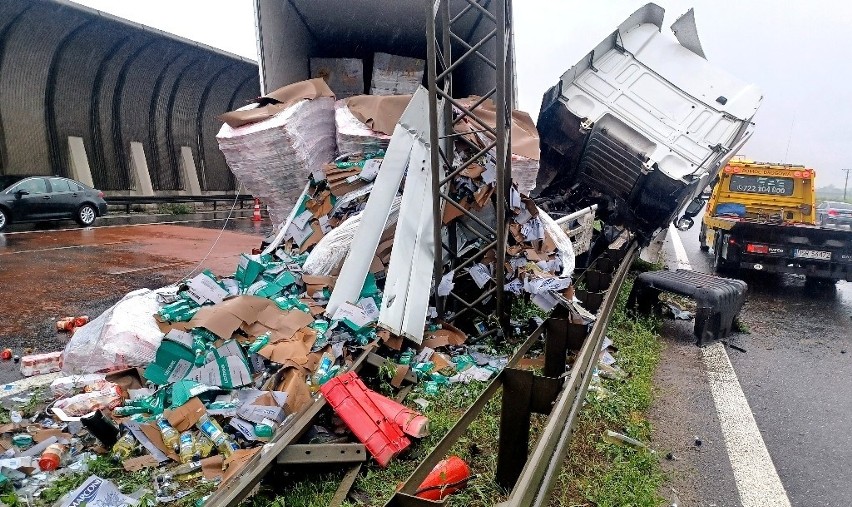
702	239
720	265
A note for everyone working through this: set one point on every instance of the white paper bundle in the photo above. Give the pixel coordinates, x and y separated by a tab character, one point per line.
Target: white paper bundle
273	158
524	173
353	135
396	75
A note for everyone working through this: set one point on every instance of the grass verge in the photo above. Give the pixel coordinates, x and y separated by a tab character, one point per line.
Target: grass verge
595	472
605	474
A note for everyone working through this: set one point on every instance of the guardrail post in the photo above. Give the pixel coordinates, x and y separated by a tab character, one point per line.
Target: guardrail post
561	335
515	415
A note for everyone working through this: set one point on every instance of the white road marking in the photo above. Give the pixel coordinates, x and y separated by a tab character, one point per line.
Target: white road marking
680	252
757	480
754	473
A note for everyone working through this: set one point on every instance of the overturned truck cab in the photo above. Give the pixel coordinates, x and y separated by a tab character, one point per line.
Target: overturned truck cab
643	122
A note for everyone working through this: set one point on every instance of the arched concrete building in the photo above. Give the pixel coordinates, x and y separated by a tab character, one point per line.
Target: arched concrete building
81	89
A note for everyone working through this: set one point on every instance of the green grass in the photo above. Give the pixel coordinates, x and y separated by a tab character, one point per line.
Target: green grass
177	208
610	475
127	482
595	473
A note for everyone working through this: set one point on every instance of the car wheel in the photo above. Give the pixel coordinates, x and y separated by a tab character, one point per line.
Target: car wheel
86	215
4	220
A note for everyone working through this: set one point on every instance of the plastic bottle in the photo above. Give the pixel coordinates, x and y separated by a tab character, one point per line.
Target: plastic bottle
124	448
203	446
51	458
185	468
211	428
128	410
171	437
322	370
186	447
618	439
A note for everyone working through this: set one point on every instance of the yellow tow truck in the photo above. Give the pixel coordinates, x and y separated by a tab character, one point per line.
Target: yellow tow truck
762	216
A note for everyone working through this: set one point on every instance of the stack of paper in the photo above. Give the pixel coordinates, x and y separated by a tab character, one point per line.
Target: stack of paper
273	158
353	135
396	75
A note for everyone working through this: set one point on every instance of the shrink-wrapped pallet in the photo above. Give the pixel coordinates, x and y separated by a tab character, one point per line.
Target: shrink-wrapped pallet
294	138
345	76
396	75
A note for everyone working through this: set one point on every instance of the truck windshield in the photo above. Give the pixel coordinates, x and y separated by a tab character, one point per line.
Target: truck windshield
761	185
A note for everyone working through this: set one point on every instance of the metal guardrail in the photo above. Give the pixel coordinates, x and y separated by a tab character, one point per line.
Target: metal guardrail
531	476
131	200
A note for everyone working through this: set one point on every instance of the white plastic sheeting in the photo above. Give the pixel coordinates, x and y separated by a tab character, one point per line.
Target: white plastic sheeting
563	242
334	247
124	335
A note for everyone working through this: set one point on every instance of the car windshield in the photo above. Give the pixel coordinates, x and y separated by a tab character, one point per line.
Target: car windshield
840	205
32	185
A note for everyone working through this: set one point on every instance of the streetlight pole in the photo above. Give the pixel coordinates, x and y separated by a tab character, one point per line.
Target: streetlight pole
845	183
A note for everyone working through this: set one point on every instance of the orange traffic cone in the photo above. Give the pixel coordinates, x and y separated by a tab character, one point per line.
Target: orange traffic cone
256	217
448	476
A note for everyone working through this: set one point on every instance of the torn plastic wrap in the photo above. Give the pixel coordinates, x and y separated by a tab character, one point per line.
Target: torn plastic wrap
353	135
328	255
124	335
365	123
565	249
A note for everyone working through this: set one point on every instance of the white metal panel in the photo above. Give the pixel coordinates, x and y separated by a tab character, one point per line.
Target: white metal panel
405	285
412	128
687	33
405	301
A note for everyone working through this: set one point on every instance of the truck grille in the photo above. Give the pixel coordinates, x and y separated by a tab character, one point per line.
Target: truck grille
610	166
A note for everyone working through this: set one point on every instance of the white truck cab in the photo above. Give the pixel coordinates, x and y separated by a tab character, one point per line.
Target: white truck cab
645	120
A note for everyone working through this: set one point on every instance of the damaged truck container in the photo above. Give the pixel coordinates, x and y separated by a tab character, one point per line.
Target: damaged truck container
644	122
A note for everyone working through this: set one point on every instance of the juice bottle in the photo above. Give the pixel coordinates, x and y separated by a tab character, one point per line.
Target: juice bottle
52	457
186	447
124	448
171	437
211	428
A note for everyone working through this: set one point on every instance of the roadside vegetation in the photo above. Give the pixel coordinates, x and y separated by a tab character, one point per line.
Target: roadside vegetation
176	208
606	474
595	473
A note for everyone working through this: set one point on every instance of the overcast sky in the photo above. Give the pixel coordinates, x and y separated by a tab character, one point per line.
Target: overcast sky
796	52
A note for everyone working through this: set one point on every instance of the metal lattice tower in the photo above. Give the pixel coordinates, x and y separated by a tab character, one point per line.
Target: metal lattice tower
445	19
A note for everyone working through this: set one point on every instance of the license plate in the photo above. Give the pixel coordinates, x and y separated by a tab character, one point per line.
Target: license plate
812	254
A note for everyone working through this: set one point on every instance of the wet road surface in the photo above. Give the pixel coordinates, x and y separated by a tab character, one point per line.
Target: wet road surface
796	373
47	274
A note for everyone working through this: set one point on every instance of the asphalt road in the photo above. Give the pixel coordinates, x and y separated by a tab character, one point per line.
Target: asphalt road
48	272
796	373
